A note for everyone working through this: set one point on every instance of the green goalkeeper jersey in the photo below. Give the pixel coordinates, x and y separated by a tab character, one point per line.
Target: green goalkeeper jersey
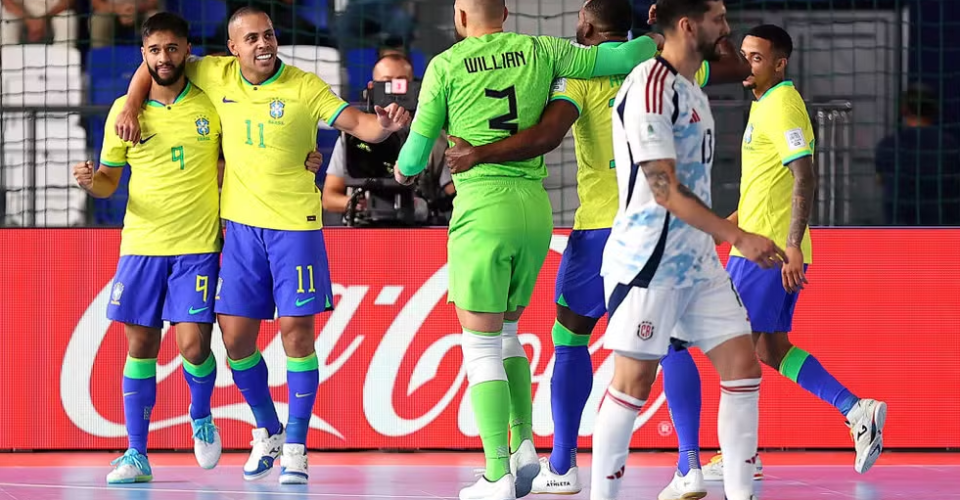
485	88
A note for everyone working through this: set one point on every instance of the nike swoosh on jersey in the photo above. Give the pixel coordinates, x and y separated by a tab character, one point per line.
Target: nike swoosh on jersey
145	139
303	302
228	101
303	395
195	311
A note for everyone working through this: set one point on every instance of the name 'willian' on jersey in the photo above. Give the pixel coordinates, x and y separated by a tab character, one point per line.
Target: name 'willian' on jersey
660	115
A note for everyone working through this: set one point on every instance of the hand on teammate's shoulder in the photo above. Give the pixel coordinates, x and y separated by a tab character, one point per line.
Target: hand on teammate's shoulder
127	126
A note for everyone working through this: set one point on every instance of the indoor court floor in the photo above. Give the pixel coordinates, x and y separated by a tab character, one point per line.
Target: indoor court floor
414	476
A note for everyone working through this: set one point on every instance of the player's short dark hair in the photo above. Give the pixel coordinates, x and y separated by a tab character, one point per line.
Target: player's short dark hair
778	37
165	21
612	16
396	57
671	11
246	10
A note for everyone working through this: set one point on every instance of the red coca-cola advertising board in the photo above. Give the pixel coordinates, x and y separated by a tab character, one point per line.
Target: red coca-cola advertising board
881	311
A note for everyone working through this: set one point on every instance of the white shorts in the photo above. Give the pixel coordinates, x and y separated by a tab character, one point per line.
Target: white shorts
704	316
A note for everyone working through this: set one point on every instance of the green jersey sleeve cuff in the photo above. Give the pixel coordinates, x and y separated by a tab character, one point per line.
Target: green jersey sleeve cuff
112	164
333	118
571	101
794	157
621	60
415	154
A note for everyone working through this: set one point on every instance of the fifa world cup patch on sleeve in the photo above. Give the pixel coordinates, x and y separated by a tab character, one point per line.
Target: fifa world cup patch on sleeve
795	139
559	85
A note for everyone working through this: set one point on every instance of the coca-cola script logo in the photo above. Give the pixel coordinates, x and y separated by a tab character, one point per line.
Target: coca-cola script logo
386	364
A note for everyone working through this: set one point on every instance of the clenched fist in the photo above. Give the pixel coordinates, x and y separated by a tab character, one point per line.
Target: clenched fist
83	173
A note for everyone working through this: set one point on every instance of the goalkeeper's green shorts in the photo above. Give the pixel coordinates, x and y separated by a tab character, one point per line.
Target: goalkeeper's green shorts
499	238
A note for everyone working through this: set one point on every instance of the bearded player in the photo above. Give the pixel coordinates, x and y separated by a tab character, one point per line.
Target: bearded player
169	250
274	258
777	189
584	105
663	280
487	87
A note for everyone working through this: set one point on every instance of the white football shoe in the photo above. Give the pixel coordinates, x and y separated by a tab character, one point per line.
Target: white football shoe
266	450
866	420
293	464
713	471
689	487
550	483
503	489
525	467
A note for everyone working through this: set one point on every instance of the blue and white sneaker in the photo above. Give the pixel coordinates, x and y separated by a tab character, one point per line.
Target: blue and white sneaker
206	442
132	467
293	464
266	449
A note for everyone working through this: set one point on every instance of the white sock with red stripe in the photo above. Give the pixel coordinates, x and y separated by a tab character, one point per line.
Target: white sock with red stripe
737	427
611	443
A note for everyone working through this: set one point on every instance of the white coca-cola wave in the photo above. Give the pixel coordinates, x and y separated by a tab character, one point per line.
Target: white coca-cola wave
383	372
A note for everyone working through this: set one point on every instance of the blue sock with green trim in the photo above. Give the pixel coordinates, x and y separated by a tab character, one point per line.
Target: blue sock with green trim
303	378
139	396
798	365
570	387
200	379
251	376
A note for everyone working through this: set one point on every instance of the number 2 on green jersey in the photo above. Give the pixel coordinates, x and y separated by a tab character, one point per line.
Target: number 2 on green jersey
502	122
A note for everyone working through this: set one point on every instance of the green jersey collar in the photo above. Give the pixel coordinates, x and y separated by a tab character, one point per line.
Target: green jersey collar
268	80
785	83
183	94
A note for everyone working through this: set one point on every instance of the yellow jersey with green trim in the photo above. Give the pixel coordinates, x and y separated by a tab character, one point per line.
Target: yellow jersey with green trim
173	204
593	140
778	132
268	130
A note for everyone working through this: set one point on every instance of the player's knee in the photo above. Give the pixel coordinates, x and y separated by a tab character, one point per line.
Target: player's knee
482	358
195	351
142	342
634	377
297	344
772	348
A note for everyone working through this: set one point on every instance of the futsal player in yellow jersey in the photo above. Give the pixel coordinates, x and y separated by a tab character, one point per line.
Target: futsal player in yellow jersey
273	257
584	105
169	250
777	189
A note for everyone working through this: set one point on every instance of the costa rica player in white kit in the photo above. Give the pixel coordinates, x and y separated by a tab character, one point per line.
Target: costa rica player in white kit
662	277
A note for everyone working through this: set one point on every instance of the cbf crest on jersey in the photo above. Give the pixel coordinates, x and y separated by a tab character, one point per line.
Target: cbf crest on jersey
203	128
116	294
748	135
276	109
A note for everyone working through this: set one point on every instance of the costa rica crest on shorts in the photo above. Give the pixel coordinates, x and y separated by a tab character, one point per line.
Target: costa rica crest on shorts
645	331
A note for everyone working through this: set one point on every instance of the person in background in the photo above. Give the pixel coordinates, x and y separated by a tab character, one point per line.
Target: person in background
37	21
336	197
115	22
918	166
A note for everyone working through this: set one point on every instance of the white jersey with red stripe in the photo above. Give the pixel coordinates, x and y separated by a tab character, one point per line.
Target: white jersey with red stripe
660	115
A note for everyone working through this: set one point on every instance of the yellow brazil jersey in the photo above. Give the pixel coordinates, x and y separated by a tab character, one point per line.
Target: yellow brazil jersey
778	132
593	138
173	205
268	130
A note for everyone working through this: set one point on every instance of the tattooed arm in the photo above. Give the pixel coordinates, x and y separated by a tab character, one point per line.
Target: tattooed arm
680	201
804	190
